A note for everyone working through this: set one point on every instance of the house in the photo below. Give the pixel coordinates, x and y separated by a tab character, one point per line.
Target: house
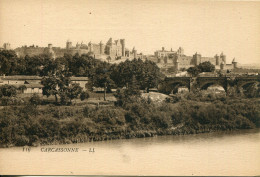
82	81
32	84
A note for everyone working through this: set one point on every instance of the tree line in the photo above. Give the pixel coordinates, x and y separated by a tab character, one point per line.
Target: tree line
56	73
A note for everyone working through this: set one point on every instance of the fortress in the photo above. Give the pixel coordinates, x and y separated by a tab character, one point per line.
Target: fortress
112	50
116	50
178	60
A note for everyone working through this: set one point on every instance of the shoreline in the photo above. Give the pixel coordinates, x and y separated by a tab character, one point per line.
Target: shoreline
145	135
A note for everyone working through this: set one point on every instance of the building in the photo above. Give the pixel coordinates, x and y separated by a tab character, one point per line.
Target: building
179	60
6	46
112	50
32	84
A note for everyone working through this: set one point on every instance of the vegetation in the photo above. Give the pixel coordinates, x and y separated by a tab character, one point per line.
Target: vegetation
33	122
135	117
202	67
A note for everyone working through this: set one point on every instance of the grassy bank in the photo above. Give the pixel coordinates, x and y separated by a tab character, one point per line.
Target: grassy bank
50	124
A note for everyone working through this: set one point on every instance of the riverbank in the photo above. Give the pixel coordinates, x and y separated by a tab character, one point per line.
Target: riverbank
50	124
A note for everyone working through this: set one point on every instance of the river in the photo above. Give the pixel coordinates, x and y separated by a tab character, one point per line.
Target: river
225	153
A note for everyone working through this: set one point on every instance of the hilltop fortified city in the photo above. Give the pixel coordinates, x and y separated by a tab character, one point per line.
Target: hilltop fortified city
111	50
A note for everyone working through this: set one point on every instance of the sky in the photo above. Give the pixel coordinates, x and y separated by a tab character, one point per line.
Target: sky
206	27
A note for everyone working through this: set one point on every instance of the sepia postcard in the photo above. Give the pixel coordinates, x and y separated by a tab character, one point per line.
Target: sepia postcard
130	87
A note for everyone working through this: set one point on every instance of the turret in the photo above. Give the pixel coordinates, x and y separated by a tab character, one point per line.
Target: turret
134	51
7	46
197	58
101	47
234	63
223	58
217	59
68	45
50	46
78	45
180	51
90	46
122	41
177	63
162	48
110	41
222	65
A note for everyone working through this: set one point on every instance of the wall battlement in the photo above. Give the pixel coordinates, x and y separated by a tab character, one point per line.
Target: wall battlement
112	49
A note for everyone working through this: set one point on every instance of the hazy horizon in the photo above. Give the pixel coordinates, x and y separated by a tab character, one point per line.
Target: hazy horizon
206	27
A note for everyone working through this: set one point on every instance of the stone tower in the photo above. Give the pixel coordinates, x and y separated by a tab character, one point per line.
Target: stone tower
177	63
122	41
68	45
222	65
134	51
101	48
180	51
50	46
234	63
197	58
7	46
217	59
90	46
223	58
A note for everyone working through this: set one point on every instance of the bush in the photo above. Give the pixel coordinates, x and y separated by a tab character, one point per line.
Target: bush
35	99
84	95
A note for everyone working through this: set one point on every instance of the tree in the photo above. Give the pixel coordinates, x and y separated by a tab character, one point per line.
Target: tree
147	74
8	60
50	86
7	90
51	67
35	100
150	76
102	78
73	91
252	91
193	71
206	67
33	64
84	95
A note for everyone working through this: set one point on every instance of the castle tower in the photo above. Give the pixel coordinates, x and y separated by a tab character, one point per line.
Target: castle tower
134	51
122	41
110	41
7	46
177	63
217	59
90	46
222	65
49	46
166	59
49	51
234	63
223	58
180	51
78	45
197	58
101	48
68	45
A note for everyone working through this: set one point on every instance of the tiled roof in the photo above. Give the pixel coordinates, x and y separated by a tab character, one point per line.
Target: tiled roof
79	78
21	77
27	85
